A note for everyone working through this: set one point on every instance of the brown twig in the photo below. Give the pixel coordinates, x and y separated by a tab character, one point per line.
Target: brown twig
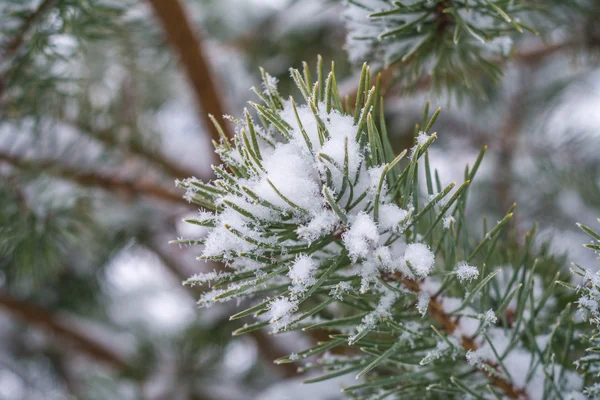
46	319
188	46
111	183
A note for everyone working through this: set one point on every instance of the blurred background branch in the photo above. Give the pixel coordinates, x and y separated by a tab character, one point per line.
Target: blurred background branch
188	46
61	327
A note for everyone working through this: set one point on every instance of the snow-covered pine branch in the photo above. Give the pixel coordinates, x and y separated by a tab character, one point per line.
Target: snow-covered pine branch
322	226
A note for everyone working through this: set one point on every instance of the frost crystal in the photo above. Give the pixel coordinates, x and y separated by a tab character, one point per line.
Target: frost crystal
280	312
488	318
371	319
466	272
270	84
423	303
339	290
447	221
475	358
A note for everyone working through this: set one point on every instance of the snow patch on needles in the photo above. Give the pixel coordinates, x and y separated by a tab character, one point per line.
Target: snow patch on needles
419	258
306	209
280	312
447	221
320	225
423	303
302	273
362	237
392	217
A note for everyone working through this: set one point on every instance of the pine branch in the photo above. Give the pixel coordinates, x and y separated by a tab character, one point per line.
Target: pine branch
95	180
468	343
46	319
188	46
13	45
139	150
522	57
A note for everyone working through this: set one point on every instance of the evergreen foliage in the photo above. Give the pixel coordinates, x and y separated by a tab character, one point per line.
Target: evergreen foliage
320	222
452	43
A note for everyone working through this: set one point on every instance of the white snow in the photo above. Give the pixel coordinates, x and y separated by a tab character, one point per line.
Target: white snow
391	216
447	221
281	307
423	303
466	272
321	224
362	236
420	257
302	273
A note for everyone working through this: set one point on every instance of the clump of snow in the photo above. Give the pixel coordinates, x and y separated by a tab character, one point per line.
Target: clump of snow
422	138
281	309
466	272
447	221
419	258
362	236
392	217
321	224
302	273
294	177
